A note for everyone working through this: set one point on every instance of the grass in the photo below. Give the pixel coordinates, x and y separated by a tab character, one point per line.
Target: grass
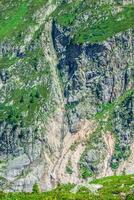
18	16
114	186
103	20
113	189
65	14
6	62
107	28
14	21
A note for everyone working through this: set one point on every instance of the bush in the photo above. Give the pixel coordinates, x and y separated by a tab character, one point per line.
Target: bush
36	188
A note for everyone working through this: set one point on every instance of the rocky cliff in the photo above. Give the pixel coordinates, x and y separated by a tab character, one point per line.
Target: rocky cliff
66	83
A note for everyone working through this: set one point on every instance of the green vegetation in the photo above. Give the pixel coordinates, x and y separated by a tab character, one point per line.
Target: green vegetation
85	172
92	143
119	154
107	28
36	189
92	21
106	121
7	62
66	13
105	118
22	103
25	102
74	146
18	16
71	106
69	169
105	115
14	20
114	188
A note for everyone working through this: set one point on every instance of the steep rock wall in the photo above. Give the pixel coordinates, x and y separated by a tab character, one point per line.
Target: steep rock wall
95	76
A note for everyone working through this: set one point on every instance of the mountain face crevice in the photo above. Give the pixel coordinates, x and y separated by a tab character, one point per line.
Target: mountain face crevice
66	103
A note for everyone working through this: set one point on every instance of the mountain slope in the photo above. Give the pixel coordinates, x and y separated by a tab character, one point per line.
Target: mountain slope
66	81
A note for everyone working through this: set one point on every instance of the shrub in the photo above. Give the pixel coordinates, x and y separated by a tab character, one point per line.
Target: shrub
36	188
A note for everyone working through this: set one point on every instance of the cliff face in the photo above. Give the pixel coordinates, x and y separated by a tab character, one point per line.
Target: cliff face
97	81
66	81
